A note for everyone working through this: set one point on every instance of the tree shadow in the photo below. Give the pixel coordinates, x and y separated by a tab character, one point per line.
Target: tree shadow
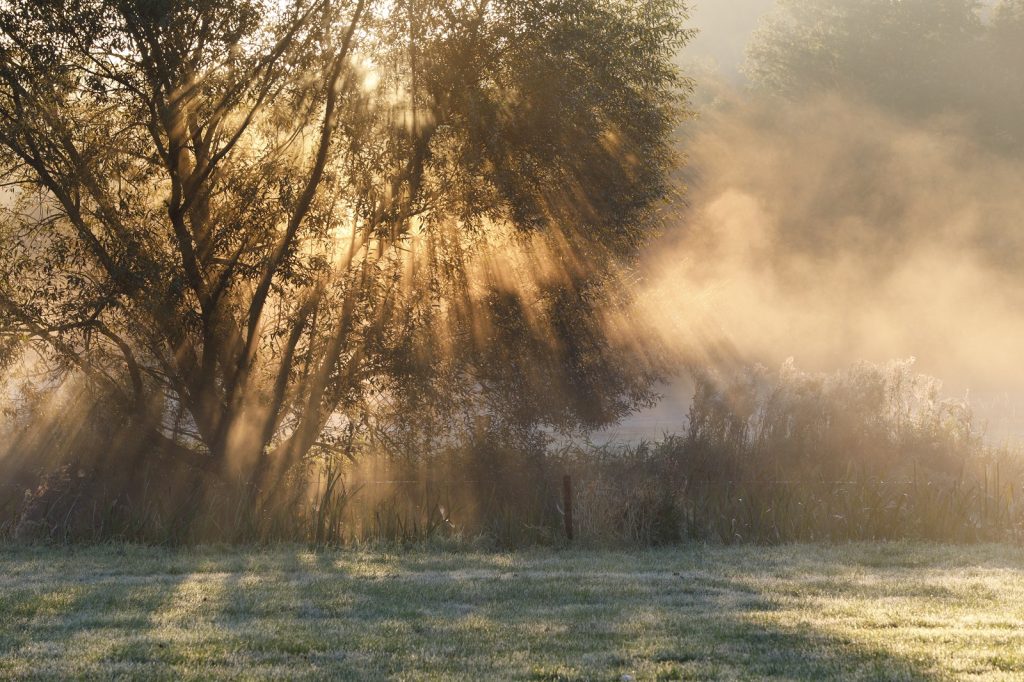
60	622
494	618
295	613
685	628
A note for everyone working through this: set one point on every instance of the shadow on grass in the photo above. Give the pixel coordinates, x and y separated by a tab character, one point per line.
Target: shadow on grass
84	625
334	615
492	620
680	630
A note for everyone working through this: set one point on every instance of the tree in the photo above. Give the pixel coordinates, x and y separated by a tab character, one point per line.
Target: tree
1006	93
916	58
249	226
903	52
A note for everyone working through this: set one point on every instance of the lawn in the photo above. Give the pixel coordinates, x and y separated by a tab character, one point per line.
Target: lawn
896	611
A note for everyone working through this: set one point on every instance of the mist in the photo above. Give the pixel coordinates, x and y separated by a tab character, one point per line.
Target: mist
830	229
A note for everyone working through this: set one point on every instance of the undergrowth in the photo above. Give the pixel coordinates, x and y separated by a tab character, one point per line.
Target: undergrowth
871	453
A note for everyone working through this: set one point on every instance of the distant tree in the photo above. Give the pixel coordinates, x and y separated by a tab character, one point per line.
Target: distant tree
1008	17
251	226
914	57
1006	96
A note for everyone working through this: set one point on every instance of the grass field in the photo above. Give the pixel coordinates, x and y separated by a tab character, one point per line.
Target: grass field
809	612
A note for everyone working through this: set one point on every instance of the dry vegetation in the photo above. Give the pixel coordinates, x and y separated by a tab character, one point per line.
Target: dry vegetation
870	453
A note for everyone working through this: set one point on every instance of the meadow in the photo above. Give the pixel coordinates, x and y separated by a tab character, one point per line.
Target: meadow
893	611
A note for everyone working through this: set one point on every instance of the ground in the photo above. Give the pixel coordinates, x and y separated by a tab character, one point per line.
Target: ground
894	611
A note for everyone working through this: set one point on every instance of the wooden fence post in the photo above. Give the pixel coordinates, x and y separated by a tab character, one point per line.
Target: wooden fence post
567	505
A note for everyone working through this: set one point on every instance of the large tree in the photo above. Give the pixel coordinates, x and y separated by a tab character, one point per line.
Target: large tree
249	225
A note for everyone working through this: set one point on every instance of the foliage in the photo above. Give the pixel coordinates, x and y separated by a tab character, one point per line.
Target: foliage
915	57
256	232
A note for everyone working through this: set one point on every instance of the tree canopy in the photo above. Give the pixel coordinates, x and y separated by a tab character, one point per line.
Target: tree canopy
257	228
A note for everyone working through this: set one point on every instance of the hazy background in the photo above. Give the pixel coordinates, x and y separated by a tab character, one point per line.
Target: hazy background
725	29
831	227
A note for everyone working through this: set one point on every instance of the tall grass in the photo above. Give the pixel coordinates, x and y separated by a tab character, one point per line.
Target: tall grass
870	453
